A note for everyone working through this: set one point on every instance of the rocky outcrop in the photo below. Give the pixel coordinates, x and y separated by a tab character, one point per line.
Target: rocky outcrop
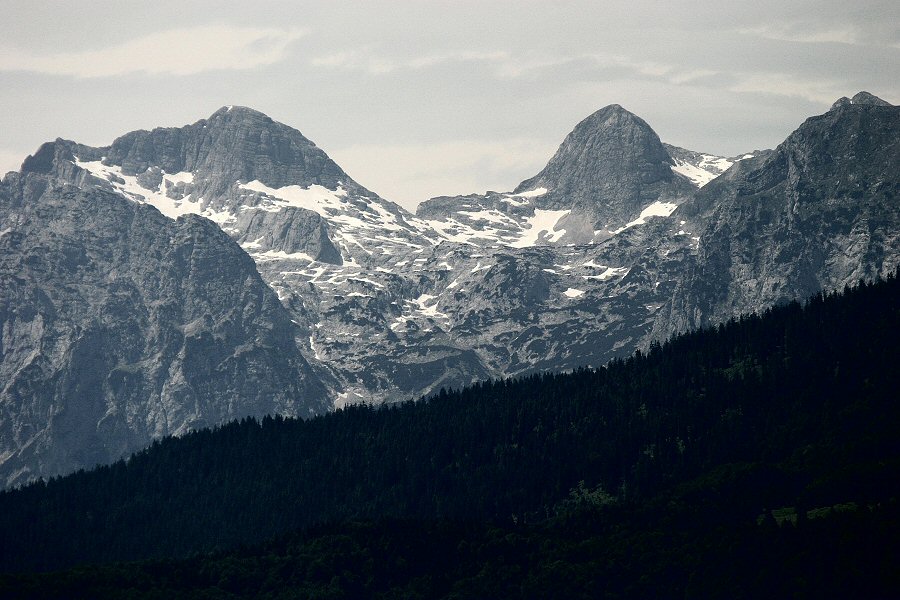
120	326
235	143
620	240
611	167
607	171
819	212
289	231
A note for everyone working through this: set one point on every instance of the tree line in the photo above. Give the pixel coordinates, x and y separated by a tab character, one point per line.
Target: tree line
713	431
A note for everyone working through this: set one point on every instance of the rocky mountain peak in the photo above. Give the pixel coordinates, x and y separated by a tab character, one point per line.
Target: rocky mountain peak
234	143
834	141
818	212
611	167
264	183
864	98
610	142
239	112
867	98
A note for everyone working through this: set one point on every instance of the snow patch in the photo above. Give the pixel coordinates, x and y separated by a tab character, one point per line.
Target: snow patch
312	347
176	178
492	216
316	198
511	198
429	311
715	163
542	222
696	175
280	255
530	193
609	273
253	245
453	231
128	186
709	167
573	293
657	209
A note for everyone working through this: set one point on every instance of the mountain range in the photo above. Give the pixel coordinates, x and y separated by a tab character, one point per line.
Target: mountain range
183	277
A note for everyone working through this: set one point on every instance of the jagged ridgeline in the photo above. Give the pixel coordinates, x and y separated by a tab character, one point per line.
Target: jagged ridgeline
186	276
793	409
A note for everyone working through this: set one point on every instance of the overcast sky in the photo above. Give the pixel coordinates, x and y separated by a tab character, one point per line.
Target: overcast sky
417	99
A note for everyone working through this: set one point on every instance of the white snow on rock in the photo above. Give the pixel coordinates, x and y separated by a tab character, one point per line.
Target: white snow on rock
128	186
454	231
609	273
715	163
541	226
709	167
278	255
657	209
520	199
429	311
183	177
696	175
573	293
316	198
530	193
492	216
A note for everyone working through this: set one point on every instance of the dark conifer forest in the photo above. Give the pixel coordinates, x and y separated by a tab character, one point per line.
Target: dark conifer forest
757	458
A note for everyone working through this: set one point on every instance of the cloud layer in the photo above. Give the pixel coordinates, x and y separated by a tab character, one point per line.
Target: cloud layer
410	97
185	51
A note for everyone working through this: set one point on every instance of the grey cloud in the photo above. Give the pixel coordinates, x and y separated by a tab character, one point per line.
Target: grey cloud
184	51
425	79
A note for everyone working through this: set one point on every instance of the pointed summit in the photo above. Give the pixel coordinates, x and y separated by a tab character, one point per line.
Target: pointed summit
235	110
610	142
263	182
819	211
861	98
867	98
611	166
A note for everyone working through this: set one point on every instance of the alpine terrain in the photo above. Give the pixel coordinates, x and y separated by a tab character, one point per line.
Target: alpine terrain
182	277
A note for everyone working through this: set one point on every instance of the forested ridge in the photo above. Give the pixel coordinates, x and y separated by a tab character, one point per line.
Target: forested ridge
766	445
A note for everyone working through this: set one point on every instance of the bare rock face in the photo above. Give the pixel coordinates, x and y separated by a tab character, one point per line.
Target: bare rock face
235	143
289	231
860	98
120	326
122	323
819	212
605	174
610	167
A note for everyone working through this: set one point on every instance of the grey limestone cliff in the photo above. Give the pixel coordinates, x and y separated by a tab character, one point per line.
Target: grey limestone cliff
819	212
619	241
610	167
234	143
120	326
